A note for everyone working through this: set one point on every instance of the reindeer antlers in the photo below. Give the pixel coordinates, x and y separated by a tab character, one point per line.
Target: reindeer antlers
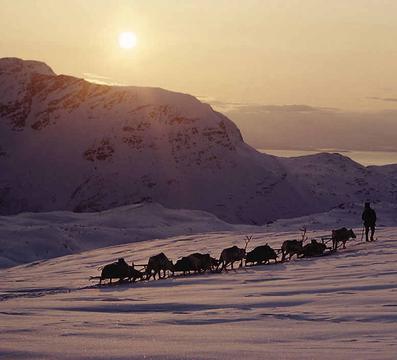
247	240
303	229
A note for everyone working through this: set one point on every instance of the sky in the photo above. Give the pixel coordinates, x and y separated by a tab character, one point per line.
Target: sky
335	54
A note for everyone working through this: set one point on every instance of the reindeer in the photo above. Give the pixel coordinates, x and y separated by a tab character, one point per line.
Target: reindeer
195	262
341	235
206	262
233	254
291	247
134	274
156	264
261	255
314	248
187	264
117	270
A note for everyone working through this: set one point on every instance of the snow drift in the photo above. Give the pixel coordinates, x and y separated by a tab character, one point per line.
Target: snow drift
30	237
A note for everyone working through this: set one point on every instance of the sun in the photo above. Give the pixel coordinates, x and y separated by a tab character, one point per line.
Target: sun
127	40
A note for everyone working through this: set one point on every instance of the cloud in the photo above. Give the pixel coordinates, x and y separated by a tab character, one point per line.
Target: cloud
277	108
223	106
96	76
382	99
100	80
252	108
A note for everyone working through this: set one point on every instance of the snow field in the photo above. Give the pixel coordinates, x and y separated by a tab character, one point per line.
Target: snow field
340	306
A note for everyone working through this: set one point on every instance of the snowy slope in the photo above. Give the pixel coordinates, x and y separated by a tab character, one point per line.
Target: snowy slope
29	237
67	144
335	307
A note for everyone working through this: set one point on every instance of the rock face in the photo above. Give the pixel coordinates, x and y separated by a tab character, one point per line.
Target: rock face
67	144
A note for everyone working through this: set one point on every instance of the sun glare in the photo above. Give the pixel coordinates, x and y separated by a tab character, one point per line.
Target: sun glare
127	40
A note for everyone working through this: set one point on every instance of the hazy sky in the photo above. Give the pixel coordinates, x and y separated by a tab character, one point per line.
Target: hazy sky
331	53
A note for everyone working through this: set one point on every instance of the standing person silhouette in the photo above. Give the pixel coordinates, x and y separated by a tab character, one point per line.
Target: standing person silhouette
369	219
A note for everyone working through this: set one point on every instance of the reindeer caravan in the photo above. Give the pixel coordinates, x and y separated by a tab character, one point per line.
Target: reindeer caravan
161	267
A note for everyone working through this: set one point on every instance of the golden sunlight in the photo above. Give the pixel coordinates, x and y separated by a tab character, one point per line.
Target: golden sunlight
127	40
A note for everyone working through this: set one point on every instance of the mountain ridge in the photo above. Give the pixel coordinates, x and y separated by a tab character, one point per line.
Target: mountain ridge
68	144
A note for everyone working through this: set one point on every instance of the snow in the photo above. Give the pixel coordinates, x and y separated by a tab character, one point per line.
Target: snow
67	144
335	307
148	170
27	237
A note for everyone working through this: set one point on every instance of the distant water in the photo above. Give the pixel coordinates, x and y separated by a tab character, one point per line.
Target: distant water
365	158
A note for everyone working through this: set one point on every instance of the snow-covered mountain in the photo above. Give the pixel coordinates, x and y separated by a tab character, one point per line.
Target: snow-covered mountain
336	179
67	144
